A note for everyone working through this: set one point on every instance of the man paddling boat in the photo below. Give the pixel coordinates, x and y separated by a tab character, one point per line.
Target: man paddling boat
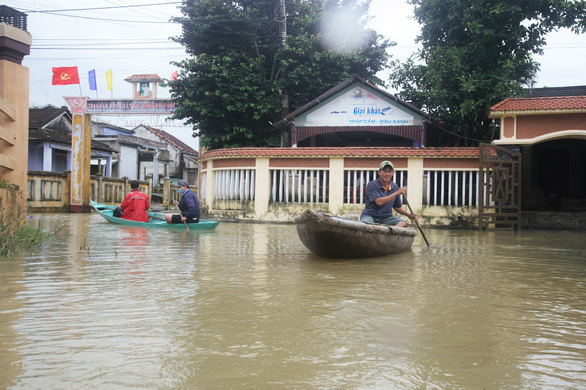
188	206
382	197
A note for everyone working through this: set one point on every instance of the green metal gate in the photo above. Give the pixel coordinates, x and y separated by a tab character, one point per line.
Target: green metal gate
499	198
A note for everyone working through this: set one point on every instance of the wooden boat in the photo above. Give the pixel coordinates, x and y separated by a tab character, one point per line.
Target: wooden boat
156	220
334	237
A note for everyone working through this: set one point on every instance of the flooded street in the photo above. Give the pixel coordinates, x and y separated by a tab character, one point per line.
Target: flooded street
248	306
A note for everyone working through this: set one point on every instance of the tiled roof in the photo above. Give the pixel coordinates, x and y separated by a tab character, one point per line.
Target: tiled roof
578	90
170	139
362	152
556	103
102	125
143	77
38	117
336	89
62	138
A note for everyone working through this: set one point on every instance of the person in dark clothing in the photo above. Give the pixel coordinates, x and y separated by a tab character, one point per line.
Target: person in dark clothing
135	204
189	206
382	197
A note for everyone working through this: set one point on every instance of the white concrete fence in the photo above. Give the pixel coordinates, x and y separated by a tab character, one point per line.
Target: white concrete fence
271	192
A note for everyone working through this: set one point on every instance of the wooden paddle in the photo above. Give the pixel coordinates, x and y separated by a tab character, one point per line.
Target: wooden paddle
181	214
416	222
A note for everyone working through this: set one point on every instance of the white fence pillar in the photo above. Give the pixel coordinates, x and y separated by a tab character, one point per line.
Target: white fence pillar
210	195
336	185
262	188
415	184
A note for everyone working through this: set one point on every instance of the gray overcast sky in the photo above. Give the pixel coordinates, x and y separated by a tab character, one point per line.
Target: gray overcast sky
135	40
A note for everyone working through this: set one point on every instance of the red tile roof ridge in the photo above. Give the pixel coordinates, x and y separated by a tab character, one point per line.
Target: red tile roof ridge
146	76
541	103
360	152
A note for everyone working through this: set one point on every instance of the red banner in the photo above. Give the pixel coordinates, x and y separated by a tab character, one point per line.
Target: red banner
65	75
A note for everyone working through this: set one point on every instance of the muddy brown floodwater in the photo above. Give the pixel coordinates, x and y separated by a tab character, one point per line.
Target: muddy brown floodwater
247	306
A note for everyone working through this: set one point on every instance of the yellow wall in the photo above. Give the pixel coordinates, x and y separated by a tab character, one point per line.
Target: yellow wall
14	100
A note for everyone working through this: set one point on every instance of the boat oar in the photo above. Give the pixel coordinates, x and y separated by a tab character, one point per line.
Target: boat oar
181	214
416	222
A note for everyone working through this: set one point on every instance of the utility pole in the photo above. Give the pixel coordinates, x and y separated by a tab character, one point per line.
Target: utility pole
283	24
285	97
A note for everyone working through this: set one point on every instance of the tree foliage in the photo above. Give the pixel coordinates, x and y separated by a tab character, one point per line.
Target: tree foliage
476	53
231	89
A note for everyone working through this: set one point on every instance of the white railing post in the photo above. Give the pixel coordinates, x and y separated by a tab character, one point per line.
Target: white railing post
286	179
274	186
281	173
456	188
299	185
293	171
470	184
450	175
247	186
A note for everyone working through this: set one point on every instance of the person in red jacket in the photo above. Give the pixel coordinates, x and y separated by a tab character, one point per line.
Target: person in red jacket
135	204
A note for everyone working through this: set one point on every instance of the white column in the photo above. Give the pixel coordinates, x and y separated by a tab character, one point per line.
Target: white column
415	183
108	172
210	185
47	157
336	185
156	168
262	188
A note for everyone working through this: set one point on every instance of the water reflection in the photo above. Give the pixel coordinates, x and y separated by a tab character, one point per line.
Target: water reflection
248	306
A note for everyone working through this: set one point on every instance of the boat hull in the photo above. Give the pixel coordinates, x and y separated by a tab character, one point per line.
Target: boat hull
156	220
334	237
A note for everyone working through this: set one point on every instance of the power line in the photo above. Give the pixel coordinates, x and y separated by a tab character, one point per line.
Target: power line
104	48
86	44
96	39
98	8
110	20
41	59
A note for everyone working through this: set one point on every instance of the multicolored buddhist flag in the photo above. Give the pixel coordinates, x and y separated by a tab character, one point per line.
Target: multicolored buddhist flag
109	79
91	76
65	75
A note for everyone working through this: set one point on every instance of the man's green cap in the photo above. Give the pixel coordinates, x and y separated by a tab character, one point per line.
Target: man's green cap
386	164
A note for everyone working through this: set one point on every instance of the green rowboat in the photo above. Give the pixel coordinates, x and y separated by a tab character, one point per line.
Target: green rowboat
156	220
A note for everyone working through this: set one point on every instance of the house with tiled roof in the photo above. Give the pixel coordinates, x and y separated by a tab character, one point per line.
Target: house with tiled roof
49	147
179	161
135	155
333	145
357	113
548	127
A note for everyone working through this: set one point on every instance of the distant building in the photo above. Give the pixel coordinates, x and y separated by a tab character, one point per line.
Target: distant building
144	86
179	161
132	152
548	127
357	113
49	147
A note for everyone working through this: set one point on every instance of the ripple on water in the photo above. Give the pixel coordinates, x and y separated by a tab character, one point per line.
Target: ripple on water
248	306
